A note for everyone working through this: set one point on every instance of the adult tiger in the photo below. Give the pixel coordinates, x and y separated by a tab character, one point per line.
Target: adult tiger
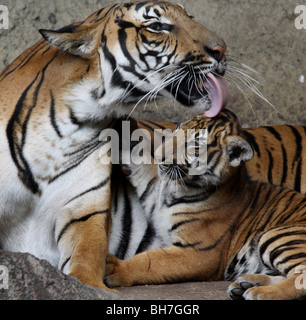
58	96
219	223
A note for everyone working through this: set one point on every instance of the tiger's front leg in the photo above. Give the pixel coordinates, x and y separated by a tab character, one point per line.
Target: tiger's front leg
156	266
85	245
83	224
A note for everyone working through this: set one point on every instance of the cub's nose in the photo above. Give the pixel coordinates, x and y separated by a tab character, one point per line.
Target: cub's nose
216	52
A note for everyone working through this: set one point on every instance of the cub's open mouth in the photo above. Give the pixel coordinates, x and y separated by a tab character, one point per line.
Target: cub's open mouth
213	88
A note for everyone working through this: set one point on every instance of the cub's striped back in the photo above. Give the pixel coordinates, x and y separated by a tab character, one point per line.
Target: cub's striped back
280	155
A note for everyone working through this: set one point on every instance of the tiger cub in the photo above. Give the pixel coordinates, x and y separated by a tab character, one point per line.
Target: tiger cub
219	224
279	152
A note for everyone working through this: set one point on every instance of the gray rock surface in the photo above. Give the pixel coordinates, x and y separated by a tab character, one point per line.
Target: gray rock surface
32	279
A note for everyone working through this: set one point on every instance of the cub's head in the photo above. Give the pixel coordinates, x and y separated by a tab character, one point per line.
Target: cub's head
205	151
144	49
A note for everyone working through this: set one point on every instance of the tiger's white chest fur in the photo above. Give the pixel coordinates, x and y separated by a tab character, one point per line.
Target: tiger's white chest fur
168	192
29	220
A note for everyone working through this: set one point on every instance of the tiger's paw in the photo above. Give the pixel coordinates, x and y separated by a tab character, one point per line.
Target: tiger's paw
237	289
91	281
253	287
116	273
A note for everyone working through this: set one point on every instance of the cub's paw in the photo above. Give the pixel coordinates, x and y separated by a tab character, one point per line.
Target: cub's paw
237	289
253	287
116	273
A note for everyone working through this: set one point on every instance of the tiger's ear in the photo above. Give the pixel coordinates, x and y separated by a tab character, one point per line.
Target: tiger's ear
238	150
79	40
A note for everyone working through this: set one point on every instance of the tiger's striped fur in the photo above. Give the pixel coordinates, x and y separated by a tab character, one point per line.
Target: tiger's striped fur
54	101
279	158
279	153
223	226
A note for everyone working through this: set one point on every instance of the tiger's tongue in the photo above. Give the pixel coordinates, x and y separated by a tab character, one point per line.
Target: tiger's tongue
218	93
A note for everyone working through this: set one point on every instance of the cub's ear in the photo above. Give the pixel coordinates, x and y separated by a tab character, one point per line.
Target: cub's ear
238	150
79	40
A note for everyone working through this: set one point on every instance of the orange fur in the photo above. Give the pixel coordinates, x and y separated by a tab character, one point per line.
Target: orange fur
212	236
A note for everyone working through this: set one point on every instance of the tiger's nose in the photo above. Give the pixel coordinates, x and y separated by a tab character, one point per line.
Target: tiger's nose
217	52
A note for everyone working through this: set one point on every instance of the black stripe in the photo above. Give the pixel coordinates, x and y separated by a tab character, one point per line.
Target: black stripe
157	125
147	126
176	225
186	245
290	245
87	146
148	188
264	246
64	263
293	209
126	227
270	168
96	16
52	116
90	149
256	200
190	199
73	118
140	5
293	257
22	165
216	243
97	187
122	37
16	146
285	165
288	269
298	173
298	154
267	212
192	212
32	53
251	139
274	133
71	28
82	219
117	79
113	7
211	155
147	238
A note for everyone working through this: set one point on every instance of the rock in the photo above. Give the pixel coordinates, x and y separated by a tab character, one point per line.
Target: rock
31	278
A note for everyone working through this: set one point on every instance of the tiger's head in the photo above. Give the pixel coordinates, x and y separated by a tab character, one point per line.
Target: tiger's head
205	151
141	50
